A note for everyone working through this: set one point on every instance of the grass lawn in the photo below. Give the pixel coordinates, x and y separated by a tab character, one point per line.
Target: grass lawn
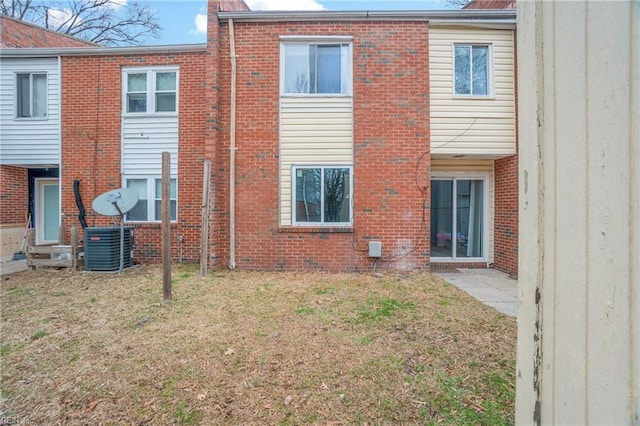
251	348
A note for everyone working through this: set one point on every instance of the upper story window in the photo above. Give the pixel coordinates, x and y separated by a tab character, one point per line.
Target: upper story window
316	68
31	95
150	91
472	70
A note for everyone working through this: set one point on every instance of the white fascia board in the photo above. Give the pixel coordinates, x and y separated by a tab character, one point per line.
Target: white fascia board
477	16
100	51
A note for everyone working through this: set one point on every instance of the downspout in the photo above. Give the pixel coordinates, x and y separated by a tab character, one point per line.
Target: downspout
232	152
60	165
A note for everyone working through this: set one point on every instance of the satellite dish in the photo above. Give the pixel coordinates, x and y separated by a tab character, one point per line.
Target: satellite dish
116	202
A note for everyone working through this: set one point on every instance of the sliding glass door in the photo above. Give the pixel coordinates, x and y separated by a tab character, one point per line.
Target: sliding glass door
458	218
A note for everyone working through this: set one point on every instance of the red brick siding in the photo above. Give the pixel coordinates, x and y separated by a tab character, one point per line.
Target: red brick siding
391	132
212	128
91	143
506	215
14	194
454	265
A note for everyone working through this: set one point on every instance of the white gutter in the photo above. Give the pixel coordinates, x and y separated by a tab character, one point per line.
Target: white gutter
232	153
499	24
471	16
100	51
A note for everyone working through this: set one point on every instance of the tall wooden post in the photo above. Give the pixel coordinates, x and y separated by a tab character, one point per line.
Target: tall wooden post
204	229
166	226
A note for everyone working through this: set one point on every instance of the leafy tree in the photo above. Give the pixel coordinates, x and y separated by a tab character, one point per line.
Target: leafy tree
107	22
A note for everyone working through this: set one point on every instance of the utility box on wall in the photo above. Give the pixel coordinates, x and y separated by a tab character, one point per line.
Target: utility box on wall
375	248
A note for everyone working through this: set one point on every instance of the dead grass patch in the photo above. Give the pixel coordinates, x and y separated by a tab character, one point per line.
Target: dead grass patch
251	348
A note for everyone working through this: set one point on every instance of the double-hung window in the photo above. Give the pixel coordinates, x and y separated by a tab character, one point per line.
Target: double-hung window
31	95
150	91
472	70
149	205
322	195
316	68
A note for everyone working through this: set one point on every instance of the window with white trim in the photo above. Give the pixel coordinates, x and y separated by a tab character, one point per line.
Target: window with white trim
316	68
322	195
150	91
149	205
31	95
472	70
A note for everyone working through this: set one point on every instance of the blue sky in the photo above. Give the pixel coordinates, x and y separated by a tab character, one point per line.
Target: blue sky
185	21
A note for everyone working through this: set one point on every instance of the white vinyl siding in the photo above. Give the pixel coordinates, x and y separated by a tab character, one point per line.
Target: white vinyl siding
313	131
446	167
468	125
27	141
143	141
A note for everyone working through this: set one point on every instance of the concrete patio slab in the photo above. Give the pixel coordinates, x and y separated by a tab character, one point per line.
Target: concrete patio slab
491	287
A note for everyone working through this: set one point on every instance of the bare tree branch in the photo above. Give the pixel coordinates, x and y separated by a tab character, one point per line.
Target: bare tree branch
107	22
457	4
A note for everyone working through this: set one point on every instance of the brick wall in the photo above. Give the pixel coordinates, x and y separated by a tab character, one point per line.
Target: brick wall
91	143
391	132
14	195
506	215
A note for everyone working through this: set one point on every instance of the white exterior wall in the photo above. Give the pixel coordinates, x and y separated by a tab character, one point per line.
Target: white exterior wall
143	141
313	131
474	126
26	141
578	355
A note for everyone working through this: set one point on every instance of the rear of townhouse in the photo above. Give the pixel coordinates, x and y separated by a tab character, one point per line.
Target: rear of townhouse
29	150
350	131
431	170
29	133
320	175
120	112
87	136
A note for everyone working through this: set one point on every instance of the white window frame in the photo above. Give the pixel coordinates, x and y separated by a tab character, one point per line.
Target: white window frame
490	88
17	94
346	72
151	89
151	198
323	224
486	236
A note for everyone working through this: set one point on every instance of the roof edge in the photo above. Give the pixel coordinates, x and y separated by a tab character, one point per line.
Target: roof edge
472	16
99	51
48	31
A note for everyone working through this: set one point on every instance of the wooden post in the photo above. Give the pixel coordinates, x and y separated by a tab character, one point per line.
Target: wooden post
204	228
166	226
31	242
74	248
61	234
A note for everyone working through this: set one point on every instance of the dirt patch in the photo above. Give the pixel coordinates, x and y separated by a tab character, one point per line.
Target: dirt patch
251	348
